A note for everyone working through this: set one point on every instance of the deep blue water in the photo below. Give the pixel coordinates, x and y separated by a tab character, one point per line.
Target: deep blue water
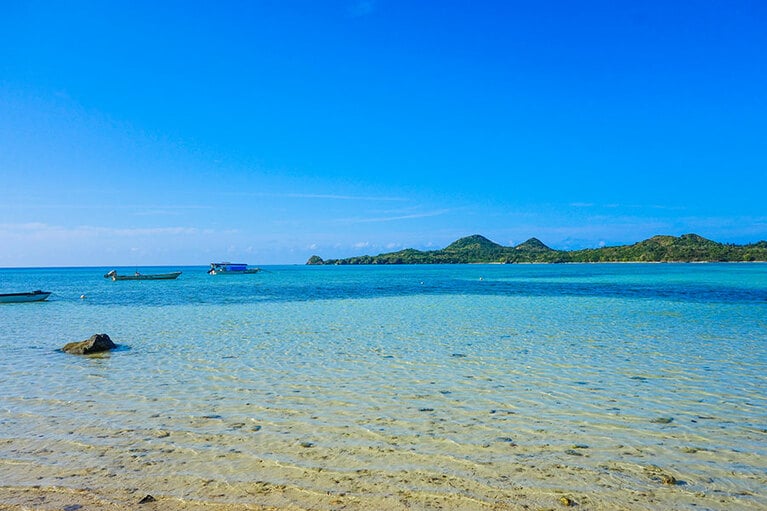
714	283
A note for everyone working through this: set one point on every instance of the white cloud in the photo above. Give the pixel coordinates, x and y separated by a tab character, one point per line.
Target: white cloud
425	214
322	196
35	230
341	197
41	244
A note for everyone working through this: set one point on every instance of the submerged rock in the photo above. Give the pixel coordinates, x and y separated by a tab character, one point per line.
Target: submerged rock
147	499
95	344
658	474
668	479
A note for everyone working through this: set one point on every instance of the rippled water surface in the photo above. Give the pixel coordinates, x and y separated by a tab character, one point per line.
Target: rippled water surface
400	387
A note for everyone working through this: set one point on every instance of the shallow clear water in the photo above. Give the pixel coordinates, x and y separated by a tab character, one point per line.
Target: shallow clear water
467	387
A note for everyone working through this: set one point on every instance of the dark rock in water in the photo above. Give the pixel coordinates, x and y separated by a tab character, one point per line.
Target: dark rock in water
662	420
658	474
146	499
95	344
668	479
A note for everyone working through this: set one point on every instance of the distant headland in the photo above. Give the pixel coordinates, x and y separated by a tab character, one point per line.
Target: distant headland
478	249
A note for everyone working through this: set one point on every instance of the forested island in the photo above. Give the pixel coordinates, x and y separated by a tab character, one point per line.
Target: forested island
478	249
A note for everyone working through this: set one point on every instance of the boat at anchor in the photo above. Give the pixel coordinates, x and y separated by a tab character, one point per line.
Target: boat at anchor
32	296
231	269
142	276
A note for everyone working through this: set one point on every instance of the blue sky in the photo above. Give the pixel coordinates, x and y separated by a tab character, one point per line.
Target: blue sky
139	133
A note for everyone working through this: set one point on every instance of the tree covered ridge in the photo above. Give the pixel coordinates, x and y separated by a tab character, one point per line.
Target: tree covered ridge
478	249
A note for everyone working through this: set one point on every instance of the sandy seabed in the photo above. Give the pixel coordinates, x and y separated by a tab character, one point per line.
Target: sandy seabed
68	499
509	477
658	494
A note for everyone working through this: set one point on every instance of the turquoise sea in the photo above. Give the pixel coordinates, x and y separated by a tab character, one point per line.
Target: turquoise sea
609	386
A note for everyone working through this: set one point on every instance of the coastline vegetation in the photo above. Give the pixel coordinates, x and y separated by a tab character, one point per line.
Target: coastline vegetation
478	249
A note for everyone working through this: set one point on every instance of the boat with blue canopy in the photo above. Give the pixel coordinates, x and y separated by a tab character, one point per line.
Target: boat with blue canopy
231	269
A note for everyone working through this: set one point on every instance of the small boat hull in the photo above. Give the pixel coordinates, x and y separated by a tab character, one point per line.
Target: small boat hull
143	276
34	296
235	272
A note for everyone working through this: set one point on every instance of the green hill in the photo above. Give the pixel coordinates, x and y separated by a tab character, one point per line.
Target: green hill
685	248
474	242
478	249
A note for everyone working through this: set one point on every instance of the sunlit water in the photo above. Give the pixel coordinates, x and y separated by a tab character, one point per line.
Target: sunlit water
398	387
